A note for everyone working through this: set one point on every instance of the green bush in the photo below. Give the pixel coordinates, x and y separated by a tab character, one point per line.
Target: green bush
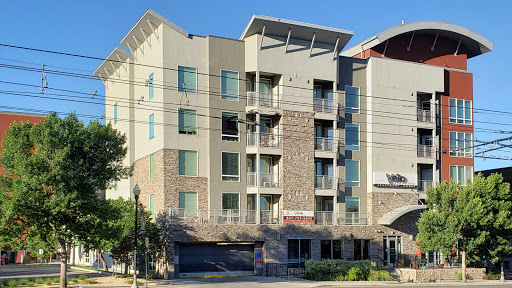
74	280
379	275
48	281
82	277
56	279
39	280
11	283
355	274
459	275
23	282
491	276
334	269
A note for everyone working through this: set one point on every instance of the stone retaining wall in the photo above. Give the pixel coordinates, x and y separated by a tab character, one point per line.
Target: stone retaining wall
443	274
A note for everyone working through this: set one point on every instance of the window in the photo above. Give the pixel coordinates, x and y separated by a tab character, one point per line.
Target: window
229	85
152	205
351	204
460	111
331	249
231	201
187	163
461	144
299	250
150	87
151	166
230	126
187	121
352	173
461	174
230	166
351	99
361	249
352	137
151	126
115	113
187	204
187	79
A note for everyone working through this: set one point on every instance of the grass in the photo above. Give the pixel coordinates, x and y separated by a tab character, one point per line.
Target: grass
81	277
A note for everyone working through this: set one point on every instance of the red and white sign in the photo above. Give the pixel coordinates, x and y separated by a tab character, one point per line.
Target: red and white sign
294	216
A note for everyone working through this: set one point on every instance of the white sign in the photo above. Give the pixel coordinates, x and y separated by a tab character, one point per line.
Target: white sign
295	216
41	251
393	179
298	213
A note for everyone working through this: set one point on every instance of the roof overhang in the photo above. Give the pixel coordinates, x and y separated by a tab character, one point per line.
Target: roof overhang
147	25
394	214
110	65
475	43
300	30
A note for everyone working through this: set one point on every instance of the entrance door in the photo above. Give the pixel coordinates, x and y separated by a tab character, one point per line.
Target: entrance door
392	249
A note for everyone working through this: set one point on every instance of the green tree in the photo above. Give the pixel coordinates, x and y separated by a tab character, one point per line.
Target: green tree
52	172
470	218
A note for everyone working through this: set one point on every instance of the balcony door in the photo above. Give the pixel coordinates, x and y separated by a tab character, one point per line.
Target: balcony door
265	86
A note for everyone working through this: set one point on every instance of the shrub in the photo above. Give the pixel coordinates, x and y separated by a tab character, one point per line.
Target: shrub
11	283
355	274
490	276
379	275
82	277
459	275
23	282
74	280
39	281
56	279
334	270
48	281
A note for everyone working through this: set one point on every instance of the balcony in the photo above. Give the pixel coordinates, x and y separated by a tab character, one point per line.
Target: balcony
264	180
325	217
270	217
262	99
264	140
324	144
324	182
353	218
425	115
423	185
323	105
427	151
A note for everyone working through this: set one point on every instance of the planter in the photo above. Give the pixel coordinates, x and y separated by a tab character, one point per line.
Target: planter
415	266
399	265
440	266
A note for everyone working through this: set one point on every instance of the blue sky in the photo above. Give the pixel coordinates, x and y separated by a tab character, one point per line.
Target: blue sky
95	27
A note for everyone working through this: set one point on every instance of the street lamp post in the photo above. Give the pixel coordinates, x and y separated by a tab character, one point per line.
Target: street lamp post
136	193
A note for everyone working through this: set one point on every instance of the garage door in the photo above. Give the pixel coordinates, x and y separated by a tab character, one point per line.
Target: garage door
216	257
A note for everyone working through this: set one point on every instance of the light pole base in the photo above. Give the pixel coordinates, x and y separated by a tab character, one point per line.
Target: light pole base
135	285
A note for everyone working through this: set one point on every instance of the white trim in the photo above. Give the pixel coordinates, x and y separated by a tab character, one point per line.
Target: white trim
221	165
222	196
457	118
456	178
460	152
237	83
238	127
359	101
197	163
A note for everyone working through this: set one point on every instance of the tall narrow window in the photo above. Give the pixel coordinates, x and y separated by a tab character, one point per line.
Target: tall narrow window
461	144
151	166
230	126
352	137
230	166
352	173
187	79
229	85
152	205
231	201
187	204
351	99
187	163
151	126
150	87
115	113
460	111
187	121
461	174
299	250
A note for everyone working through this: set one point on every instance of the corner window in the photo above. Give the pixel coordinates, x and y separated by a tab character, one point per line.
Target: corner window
115	113
187	204
231	201
460	111
151	166
230	166
461	144
151	126
230	126
187	121
352	173
461	174
352	137
152	205
187	163
187	79
229	85
150	87
351	99
331	249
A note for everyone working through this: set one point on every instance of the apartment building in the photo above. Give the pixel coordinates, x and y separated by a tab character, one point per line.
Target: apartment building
272	149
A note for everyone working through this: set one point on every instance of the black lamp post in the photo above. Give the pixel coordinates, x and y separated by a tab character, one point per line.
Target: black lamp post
136	193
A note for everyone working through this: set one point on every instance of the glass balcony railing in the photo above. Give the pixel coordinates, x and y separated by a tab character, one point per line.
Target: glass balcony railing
263	99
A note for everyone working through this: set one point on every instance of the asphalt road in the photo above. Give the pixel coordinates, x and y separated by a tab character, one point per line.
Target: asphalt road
17	271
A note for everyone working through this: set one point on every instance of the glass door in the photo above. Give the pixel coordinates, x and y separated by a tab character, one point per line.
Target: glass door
265	86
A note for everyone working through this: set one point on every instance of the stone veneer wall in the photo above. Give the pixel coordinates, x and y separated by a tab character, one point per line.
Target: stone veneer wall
443	274
298	165
167	183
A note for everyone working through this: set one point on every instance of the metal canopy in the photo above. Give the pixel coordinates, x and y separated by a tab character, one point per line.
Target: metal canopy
394	214
303	31
475	43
